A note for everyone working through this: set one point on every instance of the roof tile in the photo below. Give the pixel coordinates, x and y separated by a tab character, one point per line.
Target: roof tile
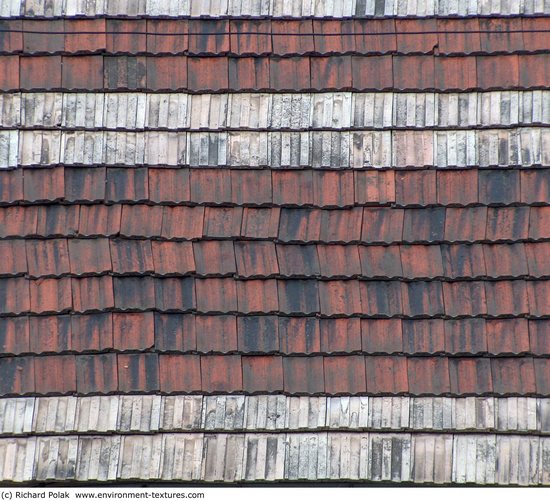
40	72
258	334
262	374
299	334
533	70
245	43
92	294
124	72
173	258
141	221
372	73
422	299
510	336
134	293
57	220
380	261
18	221
298	296
50	295
423	336
409	41
127	185
463	261
542	376
169	185
466	336
290	74
413	72
9	78
464	298
51	334
387	375
55	374
538	259
499	186
251	187
82	72
293	187
257	296
369	37
11	185
513	376
539	222
222	222
96	373
457	187
14	295
533	36
292	37
218	295
131	256
98	220
470	376
249	73
424	225
340	297
334	44
85	184
47	257
214	257
340	335
382	335
331	73
89	256
453	42
158	41
374	186
303	375
300	225
421	261
14	335
340	225
415	187
494	72
76	40
122	35
256	259
428	376
12	39
456	73
179	373
17	375
339	261
43	184
507	223
260	223
384	225
506	298
221	373
207	74
175	294
345	375
510	38
208	36
508	260
382	298
167	73
138	373
133	331
174	332
182	222
535	186
333	189
465	225
14	257
92	332
216	333
539	298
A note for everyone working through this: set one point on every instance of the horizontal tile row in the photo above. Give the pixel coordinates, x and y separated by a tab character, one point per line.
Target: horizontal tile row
328	110
315	375
260	259
200	413
277	37
291	74
525	146
270	8
177	333
371	298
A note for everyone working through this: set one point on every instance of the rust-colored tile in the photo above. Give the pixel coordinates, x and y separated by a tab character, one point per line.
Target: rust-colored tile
256	259
124	72
428	376
216	333
262	374
333	189
533	70
51	334
96	374
18	221
457	187
381	299
260	223
499	186
424	225
169	185
464	298
345	375
536	36
221	373
82	72
14	335
11	185
257	296
374	187
134	293
99	220
122	37
50	295
246	39
380	261
506	298
298	296
55	374
423	336
510	336
463	261
384	225
538	259
293	187
211	186
182	222
422	299
332	44
382	335
292	36
47	257
331	73
340	297
57	220
175	332
513	376
505	260
470	376
413	72
14	257
92	332
167	36
249	73
217	295
539	222
131	256
127	185
138	373
89	256
458	37
258	334
222	222
251	187
372	73
375	36
39	37
535	186
387	375
209	74
173	258
300	225
175	294
290	74
455	73
9	77
507	223
208	36
341	225
340	335
92	294
542	376
421	261
539	336
14	295
339	261
501	35
85	184
304	375
215	257
539	297
180	373
12	38
133	331
465	336
299	335
43	184
416	36
141	220
40	72
497	72
17	376
76	40
465	225
167	73
417	188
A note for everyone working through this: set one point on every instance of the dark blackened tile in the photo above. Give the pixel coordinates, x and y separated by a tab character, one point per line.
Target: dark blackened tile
382	335
416	36
208	74
457	187
14	335
499	186
215	257
99	220
92	332
251	37
249	73
82	72
413	72
251	187
174	332
428	376
293	187
304	375
340	335
298	296
542	376
539	297
11	185
455	73
300	225
141	220
422	299
465	336
387	375
262	374
57	220
341	225
258	334
173	258
256	259
138	373
131	256
539	336
292	36
96	374
208	36
372	73
421	261
92	294
216	295
538	259
464	298
133	331
463	261
17	376
168	73
331	73
212	186
340	297
51	295
465	225
423	336
55	374
134	293
339	261
379	261
382	299
183	222
470	376
424	225
221	373
374	187
507	298
417	188
175	294
459	36
222	222
539	222
216	333
345	375
40	72
257	296
169	185
50	334
179	373
14	257
290	74
14	295
497	72
507	223
505	260
124	72
85	184
89	256
260	223
299	335
47	257
535	186
18	221
167	36
332	44
43	184
383	225
123	37
508	336
127	184
333	189
513	376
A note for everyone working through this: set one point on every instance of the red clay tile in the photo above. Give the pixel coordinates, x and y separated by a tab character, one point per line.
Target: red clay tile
40	72
175	294
96	374
470	376
300	225
51	334
179	373
133	331
421	261
499	186
510	336
332	44
465	225
539	297
127	185
122	36
457	187
14	257
505	260
539	222
222	222
124	72
333	189
463	261
57	220
424	225
260	223
92	332
501	35
464	298
216	295
409	41
82	72
169	185
413	72
88	256
290	74
458	37
170	258
422	299
533	70
167	73
298	296
249	73
134	293
208	74
50	295
535	186
428	376
216	333
9	77
506	298
382	335
423	336
257	296
258	334
210	185
292	36
208	36
380	261
251	187
345	375
465	336
158	41
14	335
542	376
415	188
244	43
538	259
37	39
141	220
47	257
341	225
383	225
11	185
214	257
382	298
339	261
18	221
513	376
131	256
455	73
497	72
14	295
256	259
76	40
55	374
85	184
299	335
293	187
92	294
262	374
221	373
43	184
387	375
304	375
539	336
372	73
99	220
331	73
533	37
12	38
340	297
138	373
507	223
340	335
374	187
174	332
375	36
182	222
17	376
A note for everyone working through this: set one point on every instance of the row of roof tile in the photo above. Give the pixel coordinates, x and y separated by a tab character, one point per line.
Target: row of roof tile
333	375
188	333
217	74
